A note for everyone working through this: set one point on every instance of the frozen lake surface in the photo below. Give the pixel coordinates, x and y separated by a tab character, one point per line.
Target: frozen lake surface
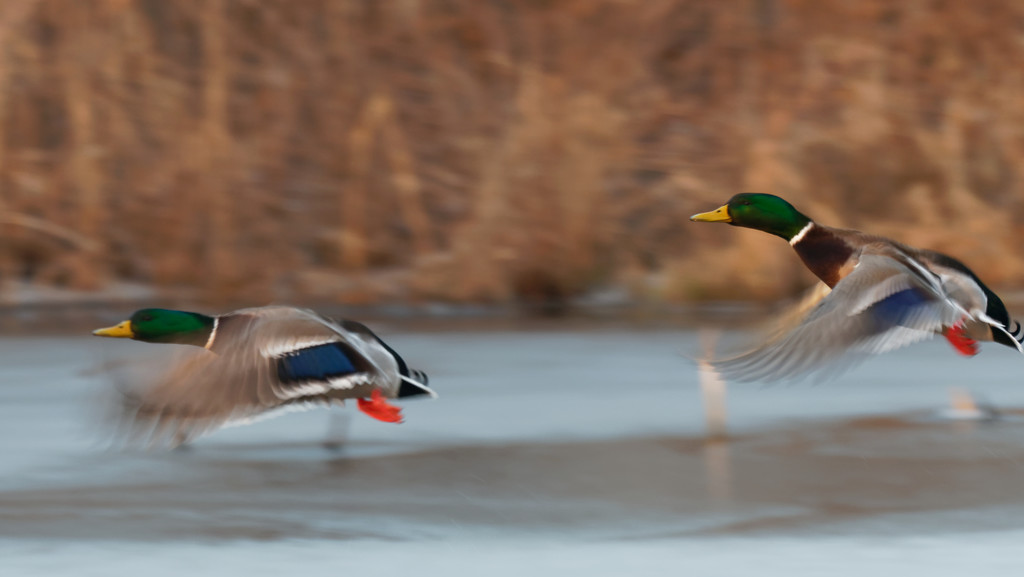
564	452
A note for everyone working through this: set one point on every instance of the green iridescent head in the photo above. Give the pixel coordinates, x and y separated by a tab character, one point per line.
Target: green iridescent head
163	326
764	212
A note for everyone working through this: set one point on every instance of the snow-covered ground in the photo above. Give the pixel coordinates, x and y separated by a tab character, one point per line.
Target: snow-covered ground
550	452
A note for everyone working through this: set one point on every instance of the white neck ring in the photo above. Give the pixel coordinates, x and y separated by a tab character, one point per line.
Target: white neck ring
800	235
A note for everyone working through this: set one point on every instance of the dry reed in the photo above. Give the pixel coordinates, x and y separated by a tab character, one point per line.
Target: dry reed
487	151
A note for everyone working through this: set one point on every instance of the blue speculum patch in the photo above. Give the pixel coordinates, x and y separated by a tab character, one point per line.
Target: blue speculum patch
317	363
895	308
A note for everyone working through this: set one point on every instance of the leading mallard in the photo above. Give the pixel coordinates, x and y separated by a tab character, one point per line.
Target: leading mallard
252	361
884	295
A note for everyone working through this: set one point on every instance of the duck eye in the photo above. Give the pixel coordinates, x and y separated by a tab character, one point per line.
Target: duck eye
147	317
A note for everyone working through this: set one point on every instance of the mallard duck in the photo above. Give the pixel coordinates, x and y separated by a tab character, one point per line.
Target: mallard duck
881	295
252	361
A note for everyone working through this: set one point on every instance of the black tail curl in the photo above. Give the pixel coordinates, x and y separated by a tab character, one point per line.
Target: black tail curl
1010	337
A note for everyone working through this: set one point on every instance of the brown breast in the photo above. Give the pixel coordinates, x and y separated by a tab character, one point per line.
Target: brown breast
825	253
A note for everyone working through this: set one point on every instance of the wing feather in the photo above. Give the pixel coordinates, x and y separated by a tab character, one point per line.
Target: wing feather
888	301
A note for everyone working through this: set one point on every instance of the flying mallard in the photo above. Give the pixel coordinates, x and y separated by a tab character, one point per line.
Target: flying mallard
884	295
255	360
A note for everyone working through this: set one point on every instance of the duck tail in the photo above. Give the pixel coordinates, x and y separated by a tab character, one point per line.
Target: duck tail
415	385
1011	338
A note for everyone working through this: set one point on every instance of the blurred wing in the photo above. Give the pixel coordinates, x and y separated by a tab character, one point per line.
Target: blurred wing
262	362
782	323
188	394
888	301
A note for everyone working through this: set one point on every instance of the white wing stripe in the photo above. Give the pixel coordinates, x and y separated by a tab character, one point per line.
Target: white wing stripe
313	388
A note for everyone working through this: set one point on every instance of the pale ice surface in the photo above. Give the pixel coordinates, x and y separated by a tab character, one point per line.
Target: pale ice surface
553	452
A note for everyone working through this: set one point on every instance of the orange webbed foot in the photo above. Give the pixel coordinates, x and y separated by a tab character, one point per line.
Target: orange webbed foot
965	345
378	408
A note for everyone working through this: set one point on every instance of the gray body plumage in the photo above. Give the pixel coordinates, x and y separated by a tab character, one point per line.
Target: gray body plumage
251	368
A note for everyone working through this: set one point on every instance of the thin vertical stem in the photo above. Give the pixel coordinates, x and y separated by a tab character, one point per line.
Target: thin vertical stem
80	100
407	183
219	264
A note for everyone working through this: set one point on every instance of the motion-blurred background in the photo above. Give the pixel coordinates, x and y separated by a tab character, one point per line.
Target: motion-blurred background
467	151
531	155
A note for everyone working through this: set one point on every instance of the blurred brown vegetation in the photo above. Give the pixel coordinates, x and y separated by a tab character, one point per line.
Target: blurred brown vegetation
487	151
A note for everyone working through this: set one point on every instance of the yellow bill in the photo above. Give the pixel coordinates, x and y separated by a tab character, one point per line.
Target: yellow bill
121	330
720	214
